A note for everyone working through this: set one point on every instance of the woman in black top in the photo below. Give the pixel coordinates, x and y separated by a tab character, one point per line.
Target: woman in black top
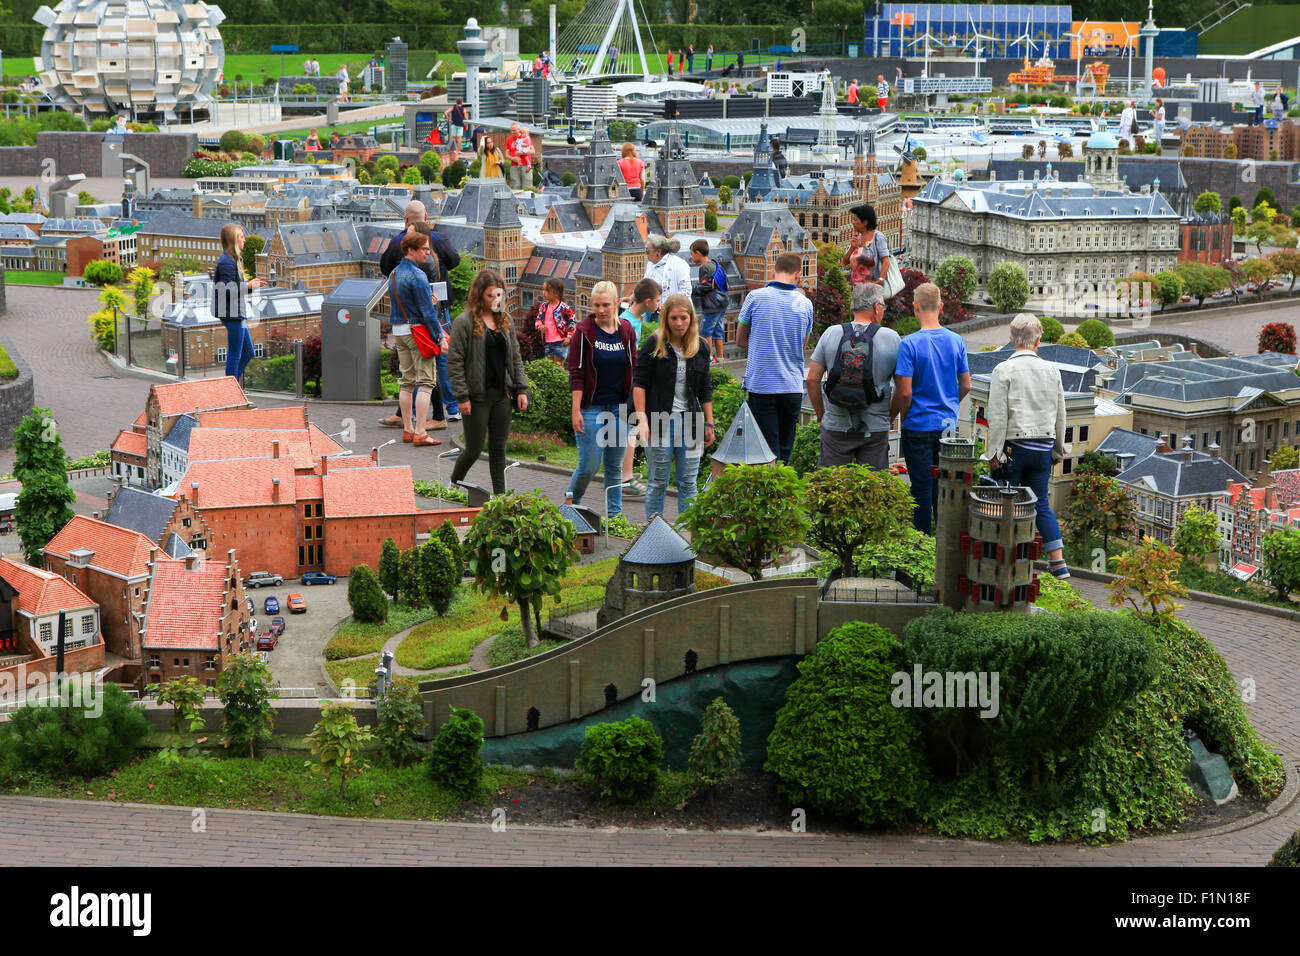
487	376
673	394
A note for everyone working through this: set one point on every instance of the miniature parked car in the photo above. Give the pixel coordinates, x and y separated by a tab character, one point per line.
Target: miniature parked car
277	626
271	606
297	605
263	579
266	641
318	577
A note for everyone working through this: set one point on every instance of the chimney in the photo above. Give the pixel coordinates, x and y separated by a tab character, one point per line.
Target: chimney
178	287
325	463
1214	450
1187	447
1162	445
275	490
275	448
193	562
374	455
194	493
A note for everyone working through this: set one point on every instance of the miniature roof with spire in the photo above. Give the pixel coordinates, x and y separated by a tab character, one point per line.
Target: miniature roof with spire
744	443
658	543
624	236
502	213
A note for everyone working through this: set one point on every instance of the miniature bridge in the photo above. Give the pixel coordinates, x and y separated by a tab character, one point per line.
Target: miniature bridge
695	632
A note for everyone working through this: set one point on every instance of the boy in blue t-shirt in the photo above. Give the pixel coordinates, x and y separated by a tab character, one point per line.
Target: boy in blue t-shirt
930	380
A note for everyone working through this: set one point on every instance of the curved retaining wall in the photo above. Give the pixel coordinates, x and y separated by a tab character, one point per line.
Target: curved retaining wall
17	397
759	619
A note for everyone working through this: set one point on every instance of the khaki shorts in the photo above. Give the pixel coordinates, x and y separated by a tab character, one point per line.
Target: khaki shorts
415	370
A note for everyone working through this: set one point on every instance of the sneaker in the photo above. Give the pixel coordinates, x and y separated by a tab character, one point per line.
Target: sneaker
634	489
1062	573
455	417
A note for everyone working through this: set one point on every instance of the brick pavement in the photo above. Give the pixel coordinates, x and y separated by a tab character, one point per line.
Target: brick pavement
60	832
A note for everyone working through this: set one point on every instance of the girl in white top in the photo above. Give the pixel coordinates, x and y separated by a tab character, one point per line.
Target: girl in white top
672	273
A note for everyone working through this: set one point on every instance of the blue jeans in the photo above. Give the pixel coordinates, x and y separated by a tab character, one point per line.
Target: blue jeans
444	386
239	349
1033	470
604	437
921	452
557	350
670	449
777	415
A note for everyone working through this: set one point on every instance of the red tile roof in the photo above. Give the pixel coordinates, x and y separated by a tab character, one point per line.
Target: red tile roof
244	482
119	550
141	422
309	486
130	442
1287	483
177	398
287	416
365	492
348	461
185	607
322	444
225	444
42	592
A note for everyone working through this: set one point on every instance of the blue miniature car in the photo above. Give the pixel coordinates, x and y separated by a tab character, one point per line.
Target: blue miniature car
318	577
272	606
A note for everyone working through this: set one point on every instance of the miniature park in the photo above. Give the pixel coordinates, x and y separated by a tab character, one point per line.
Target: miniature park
277	604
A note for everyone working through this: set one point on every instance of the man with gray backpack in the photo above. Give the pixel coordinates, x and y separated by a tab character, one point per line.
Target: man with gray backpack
852	404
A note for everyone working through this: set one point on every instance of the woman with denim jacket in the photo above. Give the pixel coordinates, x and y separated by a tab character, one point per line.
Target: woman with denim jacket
1026	416
230	295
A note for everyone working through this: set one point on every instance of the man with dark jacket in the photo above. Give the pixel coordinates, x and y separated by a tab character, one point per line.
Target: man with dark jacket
448	259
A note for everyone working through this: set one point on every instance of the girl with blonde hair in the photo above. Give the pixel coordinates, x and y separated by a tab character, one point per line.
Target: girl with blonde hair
230	292
673	392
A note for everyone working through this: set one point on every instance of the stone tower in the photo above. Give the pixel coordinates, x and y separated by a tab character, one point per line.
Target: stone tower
865	184
1002	546
600	183
765	178
658	566
955	472
504	246
674	193
623	258
1101	160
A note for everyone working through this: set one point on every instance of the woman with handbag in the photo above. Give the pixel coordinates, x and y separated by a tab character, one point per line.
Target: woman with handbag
417	336
868	257
230	295
487	376
492	163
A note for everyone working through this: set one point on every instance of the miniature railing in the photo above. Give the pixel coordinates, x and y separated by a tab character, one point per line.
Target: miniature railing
853	595
557	618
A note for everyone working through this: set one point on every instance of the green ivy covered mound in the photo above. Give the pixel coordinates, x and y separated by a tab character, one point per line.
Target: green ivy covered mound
1288	854
839	745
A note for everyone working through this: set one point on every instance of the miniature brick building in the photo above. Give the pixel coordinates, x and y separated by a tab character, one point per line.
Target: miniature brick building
166	403
584	532
955	474
1002	546
658	566
196	619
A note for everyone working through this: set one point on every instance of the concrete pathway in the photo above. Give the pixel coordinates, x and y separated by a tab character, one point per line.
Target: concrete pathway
78	833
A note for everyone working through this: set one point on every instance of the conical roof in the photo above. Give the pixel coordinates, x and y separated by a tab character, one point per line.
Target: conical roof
600	144
624	236
744	443
658	543
502	213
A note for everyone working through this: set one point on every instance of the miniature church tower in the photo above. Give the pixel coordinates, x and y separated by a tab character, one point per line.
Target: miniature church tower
865	183
673	192
623	258
828	136
658	566
1101	160
504	246
600	183
765	178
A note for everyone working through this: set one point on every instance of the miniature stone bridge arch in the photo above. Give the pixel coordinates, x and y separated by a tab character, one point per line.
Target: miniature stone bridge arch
693	633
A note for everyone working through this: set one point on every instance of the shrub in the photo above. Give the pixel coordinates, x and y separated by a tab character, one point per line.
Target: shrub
1096	333
909	551
451	541
710	221
622	758
731	182
1277	337
401	720
807	448
550	400
453	758
1288	854
958	274
336	741
569	179
901	304
246	690
452	175
101	272
904	325
234	141
838	744
1008	287
412	177
365	597
1074	339
830	307
65	738
715	751
1052	329
440	575
431	160
1149	570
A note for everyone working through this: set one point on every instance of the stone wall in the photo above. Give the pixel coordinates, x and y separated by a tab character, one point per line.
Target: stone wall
166	154
1227	177
17	395
291	716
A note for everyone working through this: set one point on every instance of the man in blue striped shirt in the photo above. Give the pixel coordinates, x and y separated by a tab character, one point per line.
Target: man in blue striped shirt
774	325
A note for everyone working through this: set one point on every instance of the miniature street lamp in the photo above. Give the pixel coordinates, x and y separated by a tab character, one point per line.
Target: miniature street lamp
607	491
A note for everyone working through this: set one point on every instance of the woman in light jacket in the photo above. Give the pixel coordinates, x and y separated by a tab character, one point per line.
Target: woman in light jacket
663	265
230	288
1026	416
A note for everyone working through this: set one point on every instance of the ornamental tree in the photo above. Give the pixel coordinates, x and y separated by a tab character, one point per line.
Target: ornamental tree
1149	570
521	546
439	575
365	596
1167	288
1197	537
390	568
1258	271
1097	505
1008	287
747	515
1285	458
253	245
1277	337
852	506
1282	560
141	279
336	741
246	689
1202	281
1208	202
41	467
957	274
1286	262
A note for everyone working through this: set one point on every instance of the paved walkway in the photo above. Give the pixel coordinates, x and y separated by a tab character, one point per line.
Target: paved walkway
75	833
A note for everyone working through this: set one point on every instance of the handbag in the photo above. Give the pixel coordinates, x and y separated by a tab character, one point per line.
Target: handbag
424	340
893	278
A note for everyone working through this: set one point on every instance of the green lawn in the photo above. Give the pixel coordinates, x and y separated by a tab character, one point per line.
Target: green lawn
354	639
342	129
14	277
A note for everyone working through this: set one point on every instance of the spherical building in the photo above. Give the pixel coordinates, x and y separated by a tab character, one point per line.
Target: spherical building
136	56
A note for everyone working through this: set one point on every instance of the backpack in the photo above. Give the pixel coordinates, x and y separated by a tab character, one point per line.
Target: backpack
715	300
850	383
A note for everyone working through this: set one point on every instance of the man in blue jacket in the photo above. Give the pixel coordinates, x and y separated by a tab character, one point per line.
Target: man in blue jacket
413	304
